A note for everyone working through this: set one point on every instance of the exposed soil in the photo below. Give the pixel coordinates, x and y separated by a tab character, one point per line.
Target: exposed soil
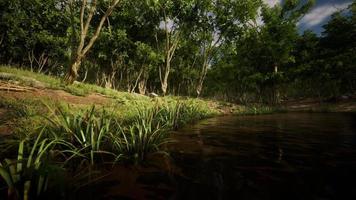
332	105
57	95
4	126
342	104
48	94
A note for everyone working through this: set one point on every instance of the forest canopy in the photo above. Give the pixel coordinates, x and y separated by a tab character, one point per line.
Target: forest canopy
241	51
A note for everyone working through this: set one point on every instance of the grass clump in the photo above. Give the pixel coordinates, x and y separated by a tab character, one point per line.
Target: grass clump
260	110
79	138
30	78
87	135
26	77
143	136
28	174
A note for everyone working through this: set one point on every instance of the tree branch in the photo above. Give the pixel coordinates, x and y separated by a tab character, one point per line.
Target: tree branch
101	23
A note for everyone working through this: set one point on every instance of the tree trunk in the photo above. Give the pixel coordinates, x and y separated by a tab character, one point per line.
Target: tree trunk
138	79
83	48
275	87
164	83
201	81
171	43
142	86
203	74
72	73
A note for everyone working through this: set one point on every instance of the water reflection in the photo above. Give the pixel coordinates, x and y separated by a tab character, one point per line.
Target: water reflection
280	156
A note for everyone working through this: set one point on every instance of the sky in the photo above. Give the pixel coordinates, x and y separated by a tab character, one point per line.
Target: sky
319	14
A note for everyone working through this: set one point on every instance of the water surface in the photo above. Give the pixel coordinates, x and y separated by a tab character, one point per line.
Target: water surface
279	156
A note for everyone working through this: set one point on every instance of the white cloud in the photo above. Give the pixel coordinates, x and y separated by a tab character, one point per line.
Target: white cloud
272	2
169	25
321	13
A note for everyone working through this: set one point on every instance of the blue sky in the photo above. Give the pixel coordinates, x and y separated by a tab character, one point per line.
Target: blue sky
319	14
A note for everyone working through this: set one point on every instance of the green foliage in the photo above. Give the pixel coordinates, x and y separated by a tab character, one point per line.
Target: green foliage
27	77
111	135
246	60
33	28
324	66
28	175
86	135
145	134
260	110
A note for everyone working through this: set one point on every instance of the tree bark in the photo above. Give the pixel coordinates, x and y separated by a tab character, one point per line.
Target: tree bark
164	82
83	49
137	80
172	39
202	78
72	73
142	86
208	51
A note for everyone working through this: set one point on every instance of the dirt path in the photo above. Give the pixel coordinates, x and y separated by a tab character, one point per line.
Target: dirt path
44	94
56	95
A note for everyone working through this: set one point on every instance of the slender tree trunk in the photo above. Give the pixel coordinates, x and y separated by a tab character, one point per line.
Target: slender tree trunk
137	79
202	78
208	51
83	48
172	39
164	82
74	32
142	86
206	58
31	59
276	95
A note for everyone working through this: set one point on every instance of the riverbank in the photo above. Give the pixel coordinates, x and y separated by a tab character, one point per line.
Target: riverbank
79	131
83	132
25	94
341	104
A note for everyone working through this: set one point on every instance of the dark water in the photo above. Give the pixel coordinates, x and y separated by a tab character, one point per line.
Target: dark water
279	156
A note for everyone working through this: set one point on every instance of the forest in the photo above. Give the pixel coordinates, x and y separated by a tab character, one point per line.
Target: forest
177	99
239	51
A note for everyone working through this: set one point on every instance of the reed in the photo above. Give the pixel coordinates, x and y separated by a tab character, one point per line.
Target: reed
143	136
28	174
86	135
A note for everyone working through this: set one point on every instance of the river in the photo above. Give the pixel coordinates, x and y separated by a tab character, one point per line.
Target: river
277	156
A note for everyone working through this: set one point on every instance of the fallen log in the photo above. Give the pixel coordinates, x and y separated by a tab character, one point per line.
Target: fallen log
14	89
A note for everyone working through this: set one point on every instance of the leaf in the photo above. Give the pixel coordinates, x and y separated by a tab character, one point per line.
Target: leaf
6	176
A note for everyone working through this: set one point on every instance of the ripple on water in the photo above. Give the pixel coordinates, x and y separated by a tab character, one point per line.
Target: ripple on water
279	156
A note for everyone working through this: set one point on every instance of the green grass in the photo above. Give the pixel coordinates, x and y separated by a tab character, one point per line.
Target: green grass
25	77
127	129
27	173
260	110
87	135
85	138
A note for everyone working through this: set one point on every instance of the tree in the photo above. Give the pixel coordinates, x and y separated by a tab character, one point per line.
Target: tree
218	22
31	33
278	34
83	48
172	24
